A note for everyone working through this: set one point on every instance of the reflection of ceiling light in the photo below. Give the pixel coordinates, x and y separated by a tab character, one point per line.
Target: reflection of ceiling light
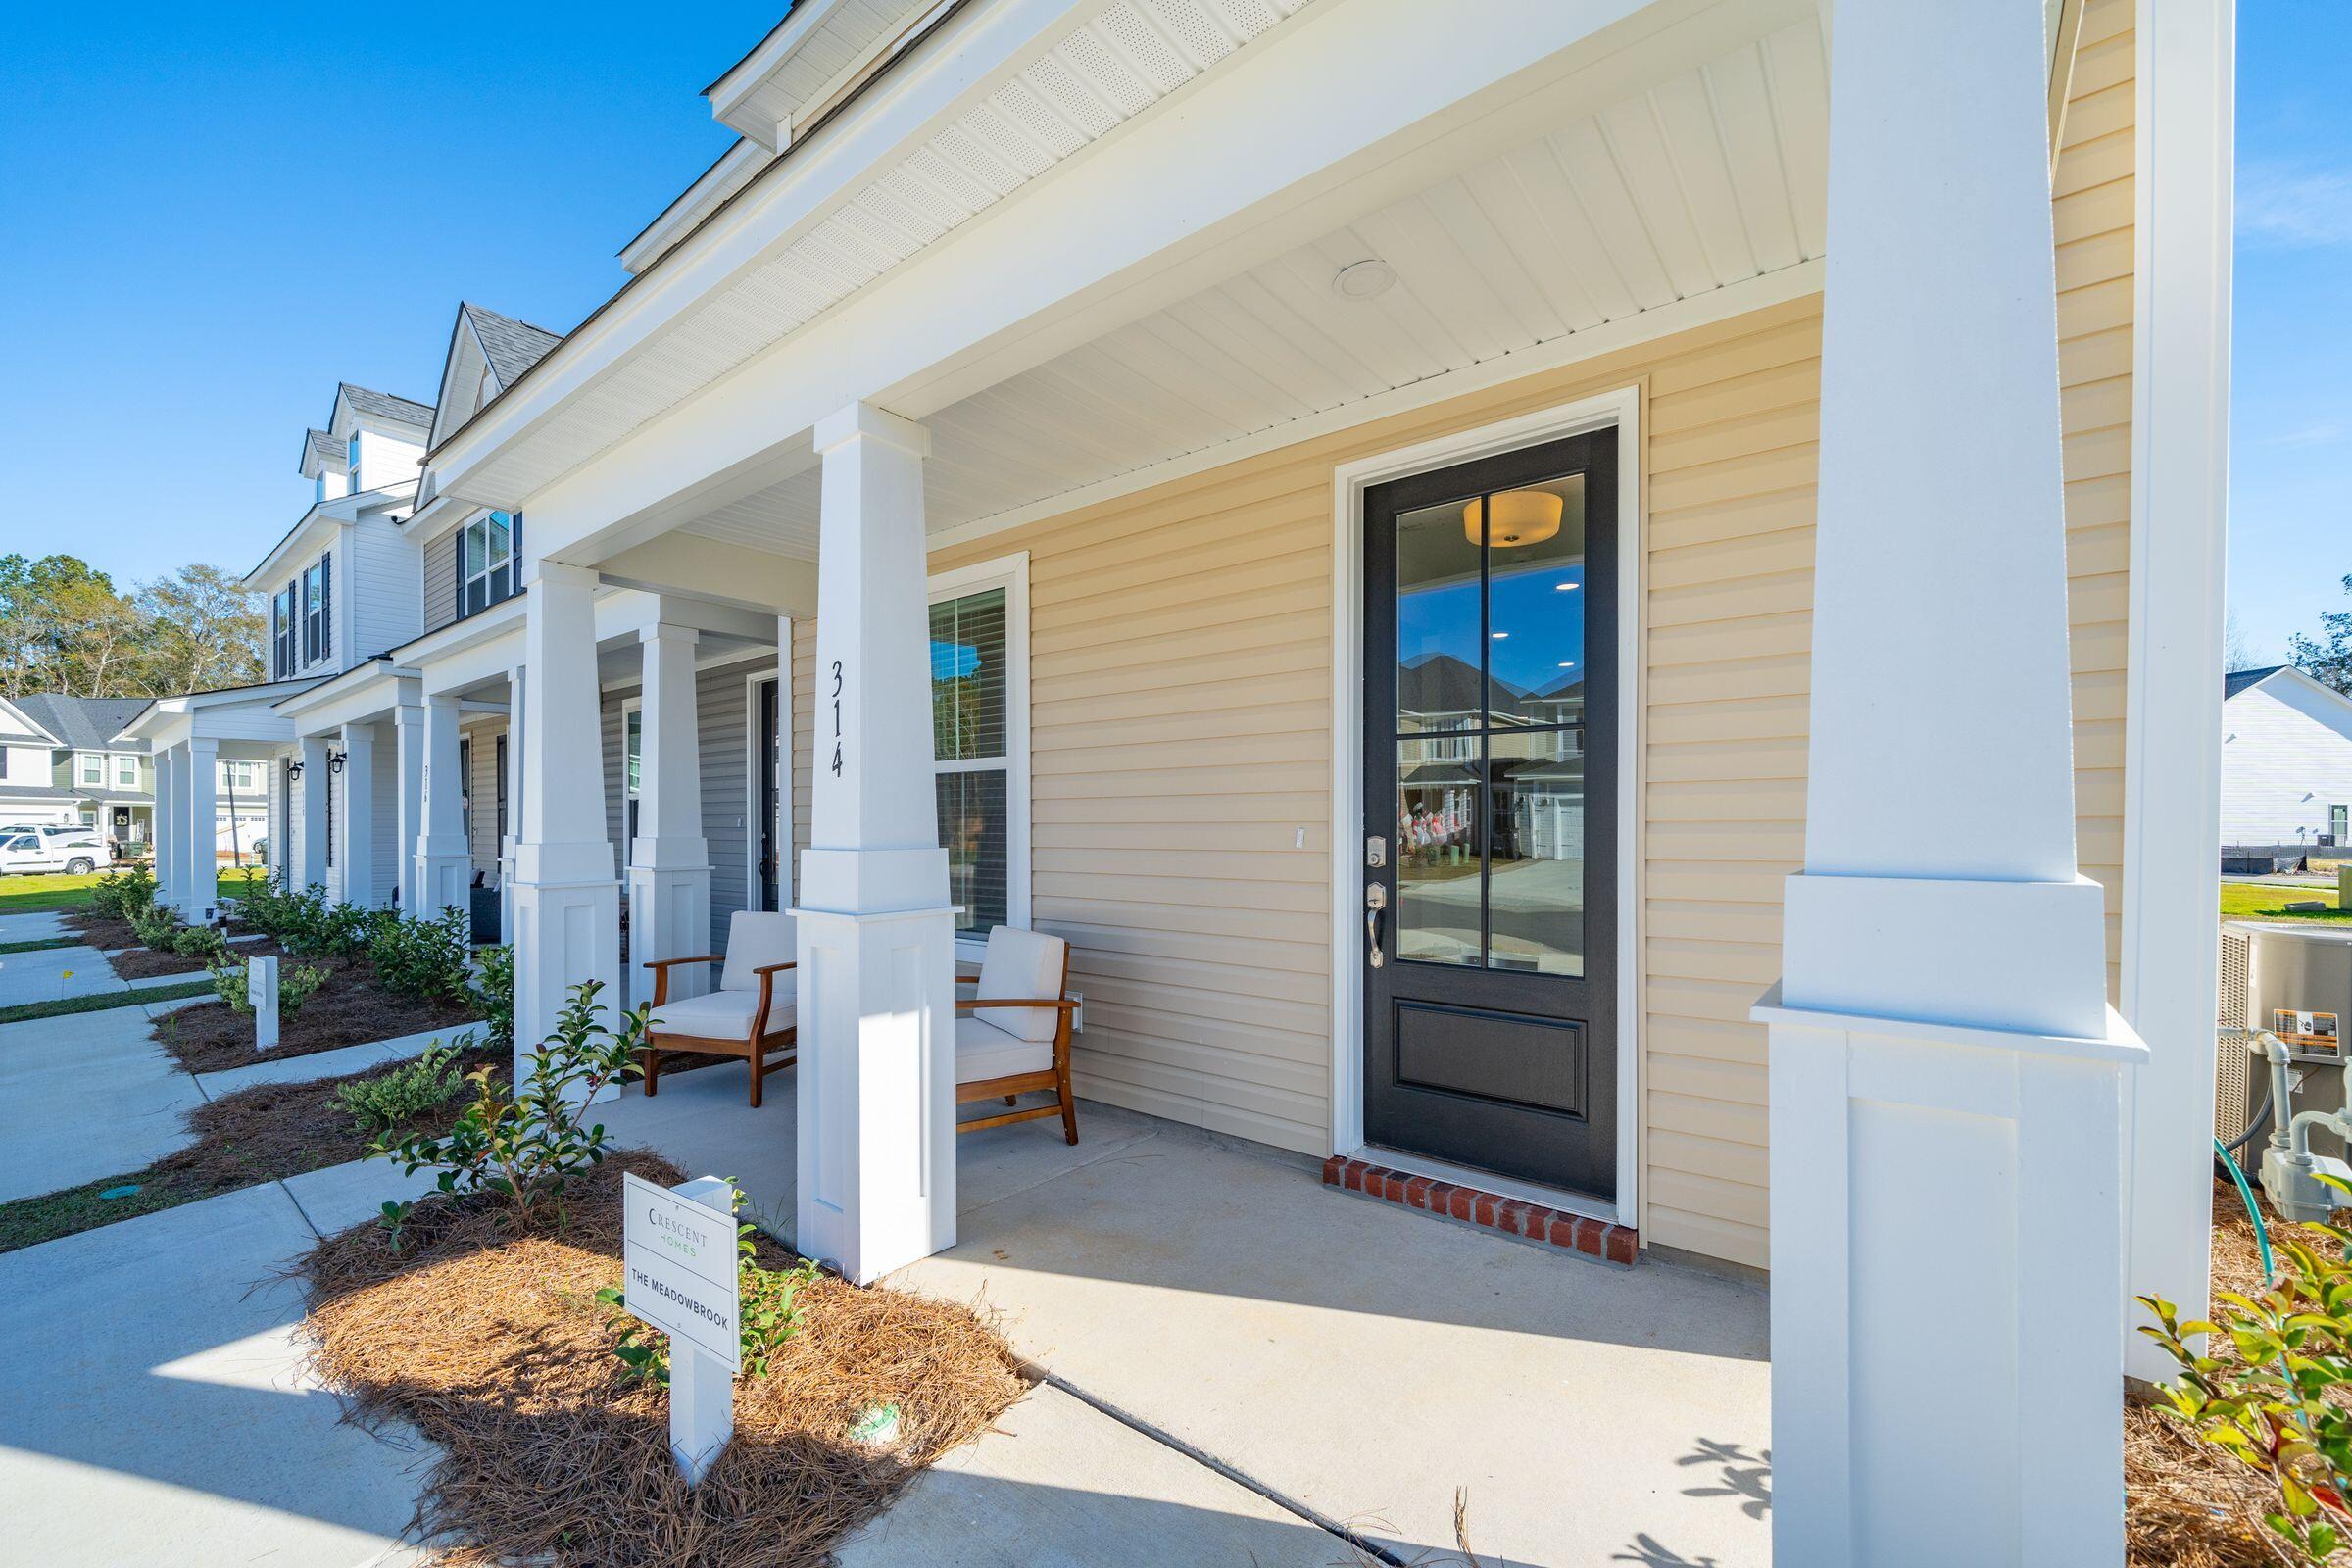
1563	587
1521	517
1567	663
1500	635
1363	280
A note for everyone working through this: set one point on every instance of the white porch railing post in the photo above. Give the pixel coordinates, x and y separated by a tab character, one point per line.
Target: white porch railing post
566	892
514	833
201	890
877	934
311	751
1946	1075
408	754
166	826
354	824
669	859
443	857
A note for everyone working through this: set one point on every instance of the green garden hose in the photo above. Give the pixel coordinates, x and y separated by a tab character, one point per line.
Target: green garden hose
2261	1232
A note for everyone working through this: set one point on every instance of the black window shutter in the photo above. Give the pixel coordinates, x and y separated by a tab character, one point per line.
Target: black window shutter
457	569
326	605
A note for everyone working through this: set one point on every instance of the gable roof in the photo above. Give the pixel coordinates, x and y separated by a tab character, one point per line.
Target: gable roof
2238	680
383	406
322	453
85	723
511	347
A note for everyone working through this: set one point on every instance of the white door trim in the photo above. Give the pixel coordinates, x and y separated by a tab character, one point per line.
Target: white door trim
753	763
1620	408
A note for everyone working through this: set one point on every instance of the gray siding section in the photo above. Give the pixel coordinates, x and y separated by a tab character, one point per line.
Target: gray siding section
481	789
441	582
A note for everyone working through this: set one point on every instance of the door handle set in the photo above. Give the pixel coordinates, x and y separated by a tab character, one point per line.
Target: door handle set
1376	899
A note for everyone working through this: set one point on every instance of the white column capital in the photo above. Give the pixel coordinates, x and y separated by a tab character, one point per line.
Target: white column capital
864	420
201	747
670	632
561	574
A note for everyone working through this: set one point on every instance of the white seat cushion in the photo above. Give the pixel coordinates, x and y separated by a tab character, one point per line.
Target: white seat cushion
984	1051
725	1014
756	939
1024	965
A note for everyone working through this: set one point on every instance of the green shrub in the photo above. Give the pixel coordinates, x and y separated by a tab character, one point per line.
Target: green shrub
525	1145
424	958
296	985
122	894
770	1314
200	941
309	925
388	1102
494	995
2269	1405
156	927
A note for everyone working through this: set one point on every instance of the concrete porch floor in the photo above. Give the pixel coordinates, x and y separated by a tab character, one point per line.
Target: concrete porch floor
1355	1361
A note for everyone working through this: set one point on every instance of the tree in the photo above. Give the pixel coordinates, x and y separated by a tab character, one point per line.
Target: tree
2327	658
206	632
2236	655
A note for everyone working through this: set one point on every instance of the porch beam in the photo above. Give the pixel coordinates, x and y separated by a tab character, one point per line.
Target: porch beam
669	858
566	890
442	859
876	936
1941	1026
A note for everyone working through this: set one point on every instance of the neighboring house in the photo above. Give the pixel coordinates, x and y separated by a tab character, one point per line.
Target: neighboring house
84	773
2286	760
1645	321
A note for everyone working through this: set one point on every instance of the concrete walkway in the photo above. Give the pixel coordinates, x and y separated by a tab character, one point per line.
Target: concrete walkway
50	974
85	1095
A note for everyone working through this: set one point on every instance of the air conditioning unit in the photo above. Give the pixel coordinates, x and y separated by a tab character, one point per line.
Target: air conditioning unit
2293	981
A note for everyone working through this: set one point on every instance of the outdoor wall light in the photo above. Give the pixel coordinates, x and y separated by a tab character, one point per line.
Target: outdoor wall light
1521	517
293	771
334	762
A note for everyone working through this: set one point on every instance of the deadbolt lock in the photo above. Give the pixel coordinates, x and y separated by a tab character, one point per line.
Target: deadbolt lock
1376	852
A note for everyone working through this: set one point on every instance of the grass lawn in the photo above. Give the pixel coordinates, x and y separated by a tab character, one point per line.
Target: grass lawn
38	944
26	895
59	1006
2252	901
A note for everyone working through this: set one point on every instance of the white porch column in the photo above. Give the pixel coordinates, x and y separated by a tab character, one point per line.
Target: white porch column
1946	1075
409	755
669	859
442	860
877	934
311	751
163	825
200	864
567	895
277	818
514	832
354	824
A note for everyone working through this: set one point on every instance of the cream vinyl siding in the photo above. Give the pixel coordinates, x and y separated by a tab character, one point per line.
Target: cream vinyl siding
2091	209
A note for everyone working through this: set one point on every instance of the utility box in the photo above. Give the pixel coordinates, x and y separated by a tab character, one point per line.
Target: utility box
2293	981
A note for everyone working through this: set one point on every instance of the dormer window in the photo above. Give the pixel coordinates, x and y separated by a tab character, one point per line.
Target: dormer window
489	562
353	460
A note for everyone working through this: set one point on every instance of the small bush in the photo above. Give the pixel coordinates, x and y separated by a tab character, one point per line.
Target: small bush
200	941
423	958
119	894
770	1314
526	1146
494	994
156	927
296	983
388	1102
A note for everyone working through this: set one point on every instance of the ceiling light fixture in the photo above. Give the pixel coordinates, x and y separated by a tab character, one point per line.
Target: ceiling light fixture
1565	587
1365	279
1521	517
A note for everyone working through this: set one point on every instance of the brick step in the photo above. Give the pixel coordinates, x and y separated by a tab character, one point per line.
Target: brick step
1512	1216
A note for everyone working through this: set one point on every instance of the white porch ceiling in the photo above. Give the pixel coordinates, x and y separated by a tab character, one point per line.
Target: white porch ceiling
1704	180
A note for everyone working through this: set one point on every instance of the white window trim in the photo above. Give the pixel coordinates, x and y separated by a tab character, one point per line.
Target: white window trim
779	677
116	768
467	579
1012	574
630	792
81	758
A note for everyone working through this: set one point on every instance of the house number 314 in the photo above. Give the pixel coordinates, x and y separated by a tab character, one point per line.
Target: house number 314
837	686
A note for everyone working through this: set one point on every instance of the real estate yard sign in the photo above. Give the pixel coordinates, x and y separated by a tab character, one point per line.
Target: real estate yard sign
680	1274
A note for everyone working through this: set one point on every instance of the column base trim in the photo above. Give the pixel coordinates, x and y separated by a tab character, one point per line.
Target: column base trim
2120	1043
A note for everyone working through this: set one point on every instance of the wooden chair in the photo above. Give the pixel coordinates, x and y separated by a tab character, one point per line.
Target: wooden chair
1025	1043
751	1014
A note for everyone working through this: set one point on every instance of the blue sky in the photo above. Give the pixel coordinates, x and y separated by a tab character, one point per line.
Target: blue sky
213	215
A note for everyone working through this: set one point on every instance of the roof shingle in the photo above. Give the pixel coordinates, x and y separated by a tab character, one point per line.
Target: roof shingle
385	406
85	723
513	346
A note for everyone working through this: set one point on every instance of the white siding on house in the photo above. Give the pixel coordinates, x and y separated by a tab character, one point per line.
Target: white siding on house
385	588
27	766
2286	757
384	834
482	788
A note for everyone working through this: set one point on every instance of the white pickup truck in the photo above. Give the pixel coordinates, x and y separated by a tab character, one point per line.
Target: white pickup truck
74	850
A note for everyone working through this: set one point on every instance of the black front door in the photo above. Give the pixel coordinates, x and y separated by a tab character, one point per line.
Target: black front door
1489	946
771	765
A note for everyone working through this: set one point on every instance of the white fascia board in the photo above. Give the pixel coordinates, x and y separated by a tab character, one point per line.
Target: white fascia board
460	334
340	511
749	74
25	725
1342	108
350	699
691	207
975	53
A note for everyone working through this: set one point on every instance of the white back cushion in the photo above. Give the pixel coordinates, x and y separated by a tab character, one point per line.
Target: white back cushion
1022	964
756	938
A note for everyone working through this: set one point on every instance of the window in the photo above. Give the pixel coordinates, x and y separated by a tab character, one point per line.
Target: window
127	771
2336	823
241	777
489	565
90	767
352	460
282	633
319	611
980	742
632	761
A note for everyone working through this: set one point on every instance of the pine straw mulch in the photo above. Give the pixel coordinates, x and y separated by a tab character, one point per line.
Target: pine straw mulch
351	1009
103	932
491	1345
142	963
2186	1505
